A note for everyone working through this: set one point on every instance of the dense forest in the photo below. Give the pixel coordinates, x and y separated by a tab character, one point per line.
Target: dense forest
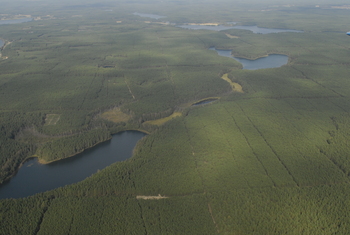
272	158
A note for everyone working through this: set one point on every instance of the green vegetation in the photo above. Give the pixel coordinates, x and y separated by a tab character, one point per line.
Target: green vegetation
71	145
271	160
161	121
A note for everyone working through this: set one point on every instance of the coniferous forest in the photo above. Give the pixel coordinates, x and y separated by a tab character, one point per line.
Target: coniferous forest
268	153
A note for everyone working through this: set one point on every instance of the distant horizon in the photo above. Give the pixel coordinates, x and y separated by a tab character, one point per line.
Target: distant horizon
244	2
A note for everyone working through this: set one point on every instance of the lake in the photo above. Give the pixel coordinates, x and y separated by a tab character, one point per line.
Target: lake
206	27
258	30
33	177
16	21
271	61
208	101
1	43
254	29
149	15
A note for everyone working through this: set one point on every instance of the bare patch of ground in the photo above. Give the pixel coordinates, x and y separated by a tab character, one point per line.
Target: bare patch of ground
151	197
116	115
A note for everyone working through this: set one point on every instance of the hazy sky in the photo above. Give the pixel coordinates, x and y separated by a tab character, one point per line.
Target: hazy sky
268	2
36	7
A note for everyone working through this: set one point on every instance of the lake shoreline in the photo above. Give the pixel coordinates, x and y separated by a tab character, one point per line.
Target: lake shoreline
246	58
34	176
271	60
43	162
209	99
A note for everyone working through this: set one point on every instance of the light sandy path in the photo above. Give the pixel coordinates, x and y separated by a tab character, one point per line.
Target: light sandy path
151	197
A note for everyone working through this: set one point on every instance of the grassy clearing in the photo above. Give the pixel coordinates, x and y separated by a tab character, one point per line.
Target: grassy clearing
235	86
161	121
116	115
231	36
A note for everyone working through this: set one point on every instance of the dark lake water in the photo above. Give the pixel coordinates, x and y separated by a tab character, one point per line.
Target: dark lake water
17	21
1	43
204	102
254	29
149	15
33	177
271	61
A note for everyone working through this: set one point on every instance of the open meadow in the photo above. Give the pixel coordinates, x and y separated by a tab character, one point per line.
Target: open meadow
269	155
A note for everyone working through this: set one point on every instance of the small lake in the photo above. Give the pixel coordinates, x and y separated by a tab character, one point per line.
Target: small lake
208	101
1	43
258	30
34	178
149	15
16	21
271	61
206	27
254	29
